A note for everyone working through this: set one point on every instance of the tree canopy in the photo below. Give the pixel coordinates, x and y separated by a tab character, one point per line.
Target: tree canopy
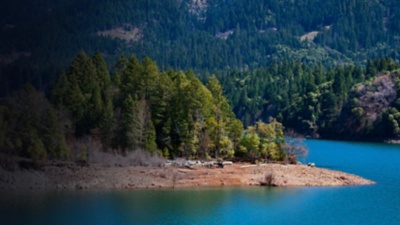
140	107
39	40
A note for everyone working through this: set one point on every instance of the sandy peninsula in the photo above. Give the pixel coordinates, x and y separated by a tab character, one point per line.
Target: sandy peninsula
70	176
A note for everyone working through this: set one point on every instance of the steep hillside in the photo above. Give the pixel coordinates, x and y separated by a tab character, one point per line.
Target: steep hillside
39	38
308	63
344	102
365	113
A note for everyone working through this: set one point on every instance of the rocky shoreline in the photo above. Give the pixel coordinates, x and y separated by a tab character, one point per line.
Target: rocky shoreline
71	176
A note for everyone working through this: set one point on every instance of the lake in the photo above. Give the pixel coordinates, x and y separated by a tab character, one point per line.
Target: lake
376	204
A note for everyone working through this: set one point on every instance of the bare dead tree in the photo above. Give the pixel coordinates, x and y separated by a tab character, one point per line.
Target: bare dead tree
294	146
269	179
141	124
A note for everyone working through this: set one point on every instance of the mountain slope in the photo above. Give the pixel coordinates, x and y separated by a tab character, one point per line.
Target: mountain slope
371	110
39	38
345	102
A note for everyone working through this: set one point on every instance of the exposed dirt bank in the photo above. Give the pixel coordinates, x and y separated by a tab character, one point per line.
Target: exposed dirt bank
71	176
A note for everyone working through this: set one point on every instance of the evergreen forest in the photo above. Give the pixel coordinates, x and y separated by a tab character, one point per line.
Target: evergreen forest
38	39
347	102
138	107
195	78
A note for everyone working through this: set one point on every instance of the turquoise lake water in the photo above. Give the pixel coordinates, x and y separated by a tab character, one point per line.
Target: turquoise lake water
376	204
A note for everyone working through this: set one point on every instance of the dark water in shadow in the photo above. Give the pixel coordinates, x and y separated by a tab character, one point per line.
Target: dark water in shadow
377	204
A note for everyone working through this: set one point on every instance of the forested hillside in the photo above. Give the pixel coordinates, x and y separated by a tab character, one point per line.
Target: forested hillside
345	102
323	68
39	38
171	113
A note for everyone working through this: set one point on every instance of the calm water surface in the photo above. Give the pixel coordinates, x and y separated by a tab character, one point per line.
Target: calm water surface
377	204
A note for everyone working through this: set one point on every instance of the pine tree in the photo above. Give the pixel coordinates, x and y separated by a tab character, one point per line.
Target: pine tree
371	69
148	78
60	90
128	138
94	109
160	109
150	138
102	75
121	64
75	102
83	71
144	127
108	124
222	113
130	78
53	137
35	148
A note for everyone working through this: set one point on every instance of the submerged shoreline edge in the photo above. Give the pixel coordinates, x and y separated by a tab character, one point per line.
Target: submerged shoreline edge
73	177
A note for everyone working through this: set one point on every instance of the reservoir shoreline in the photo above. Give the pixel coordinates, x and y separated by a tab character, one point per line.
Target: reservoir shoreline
72	176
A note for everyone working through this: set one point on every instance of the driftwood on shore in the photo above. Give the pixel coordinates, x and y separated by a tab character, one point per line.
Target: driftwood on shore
192	164
255	165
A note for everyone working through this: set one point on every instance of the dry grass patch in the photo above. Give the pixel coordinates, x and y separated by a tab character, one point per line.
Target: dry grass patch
309	36
130	34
